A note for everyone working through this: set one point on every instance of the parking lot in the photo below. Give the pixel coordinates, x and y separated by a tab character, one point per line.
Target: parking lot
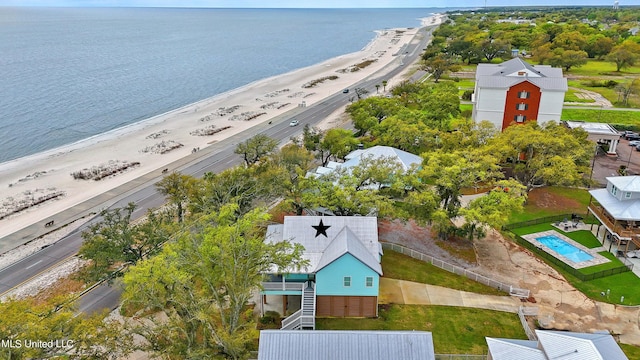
607	165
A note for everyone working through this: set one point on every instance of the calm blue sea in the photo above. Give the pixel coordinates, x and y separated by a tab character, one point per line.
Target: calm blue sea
70	73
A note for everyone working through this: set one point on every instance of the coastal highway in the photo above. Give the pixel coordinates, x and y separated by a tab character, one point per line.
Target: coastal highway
215	158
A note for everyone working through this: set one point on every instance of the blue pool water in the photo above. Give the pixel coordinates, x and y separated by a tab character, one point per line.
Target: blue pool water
564	248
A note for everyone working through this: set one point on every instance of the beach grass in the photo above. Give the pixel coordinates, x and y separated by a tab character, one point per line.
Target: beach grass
399	266
455	330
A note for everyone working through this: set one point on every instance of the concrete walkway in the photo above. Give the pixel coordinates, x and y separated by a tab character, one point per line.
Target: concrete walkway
393	291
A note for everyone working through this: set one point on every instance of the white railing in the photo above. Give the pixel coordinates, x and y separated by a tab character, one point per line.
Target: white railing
527	311
292	322
513	291
282	286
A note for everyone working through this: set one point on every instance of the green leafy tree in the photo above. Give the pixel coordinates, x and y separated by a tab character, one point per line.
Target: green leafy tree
568	58
493	48
550	155
202	284
337	143
255	148
599	45
79	337
244	186
493	209
439	64
177	187
450	172
624	55
368	113
115	240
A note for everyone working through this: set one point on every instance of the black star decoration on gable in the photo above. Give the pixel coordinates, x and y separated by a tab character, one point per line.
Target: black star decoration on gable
321	229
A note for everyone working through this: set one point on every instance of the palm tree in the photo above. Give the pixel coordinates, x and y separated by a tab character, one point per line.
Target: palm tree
384	85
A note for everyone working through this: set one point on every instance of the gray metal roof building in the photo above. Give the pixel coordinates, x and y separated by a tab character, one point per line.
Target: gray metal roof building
563	345
345	345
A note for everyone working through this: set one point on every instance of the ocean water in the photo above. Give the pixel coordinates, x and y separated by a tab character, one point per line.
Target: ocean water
67	74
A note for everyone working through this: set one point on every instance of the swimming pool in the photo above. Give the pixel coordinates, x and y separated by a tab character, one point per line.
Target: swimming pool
563	248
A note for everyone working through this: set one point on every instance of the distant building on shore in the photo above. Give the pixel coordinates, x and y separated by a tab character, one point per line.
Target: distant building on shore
515	92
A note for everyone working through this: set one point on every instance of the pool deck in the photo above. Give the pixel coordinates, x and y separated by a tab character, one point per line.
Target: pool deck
597	258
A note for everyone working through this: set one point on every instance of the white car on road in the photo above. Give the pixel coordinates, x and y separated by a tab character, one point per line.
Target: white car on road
634	142
294	122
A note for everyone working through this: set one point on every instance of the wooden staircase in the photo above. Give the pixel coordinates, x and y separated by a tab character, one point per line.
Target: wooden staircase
305	318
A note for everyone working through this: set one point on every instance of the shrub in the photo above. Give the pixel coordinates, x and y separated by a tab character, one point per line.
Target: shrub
467	95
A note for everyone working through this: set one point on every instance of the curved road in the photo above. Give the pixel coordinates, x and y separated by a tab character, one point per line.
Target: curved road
215	158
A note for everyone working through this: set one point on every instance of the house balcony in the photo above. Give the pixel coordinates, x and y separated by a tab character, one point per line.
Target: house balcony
282	288
623	228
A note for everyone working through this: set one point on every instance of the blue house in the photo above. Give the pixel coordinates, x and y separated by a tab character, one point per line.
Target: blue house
343	275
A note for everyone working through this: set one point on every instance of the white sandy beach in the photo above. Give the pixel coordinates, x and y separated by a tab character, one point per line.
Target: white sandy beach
268	97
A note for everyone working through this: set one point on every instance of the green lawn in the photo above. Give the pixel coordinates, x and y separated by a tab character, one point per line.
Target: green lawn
602	68
464	107
455	330
403	267
553	200
606	116
632	352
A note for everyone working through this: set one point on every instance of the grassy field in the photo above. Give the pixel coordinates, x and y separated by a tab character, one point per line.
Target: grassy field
602	68
399	266
455	330
553	200
606	116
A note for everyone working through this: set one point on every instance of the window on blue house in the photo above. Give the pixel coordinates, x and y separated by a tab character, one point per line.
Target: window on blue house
368	281
346	281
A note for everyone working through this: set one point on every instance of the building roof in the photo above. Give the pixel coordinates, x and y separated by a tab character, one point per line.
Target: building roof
345	345
509	349
515	71
626	183
557	345
619	209
405	159
579	346
347	242
593	128
317	233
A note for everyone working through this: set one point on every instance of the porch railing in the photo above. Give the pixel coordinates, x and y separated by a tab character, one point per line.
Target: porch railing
282	286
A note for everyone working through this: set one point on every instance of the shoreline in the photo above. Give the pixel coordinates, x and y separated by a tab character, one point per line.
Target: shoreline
229	113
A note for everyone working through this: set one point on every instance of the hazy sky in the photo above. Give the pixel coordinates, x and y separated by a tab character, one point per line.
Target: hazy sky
308	3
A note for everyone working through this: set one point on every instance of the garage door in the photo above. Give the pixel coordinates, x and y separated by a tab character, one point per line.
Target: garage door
347	306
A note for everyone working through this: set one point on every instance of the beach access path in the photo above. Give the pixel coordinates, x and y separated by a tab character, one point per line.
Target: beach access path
215	157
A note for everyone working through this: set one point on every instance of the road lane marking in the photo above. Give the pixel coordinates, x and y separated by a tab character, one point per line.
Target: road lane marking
34	264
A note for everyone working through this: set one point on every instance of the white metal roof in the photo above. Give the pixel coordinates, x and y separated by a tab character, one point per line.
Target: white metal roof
626	183
579	346
619	209
300	230
347	242
593	128
345	345
509	349
405	159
